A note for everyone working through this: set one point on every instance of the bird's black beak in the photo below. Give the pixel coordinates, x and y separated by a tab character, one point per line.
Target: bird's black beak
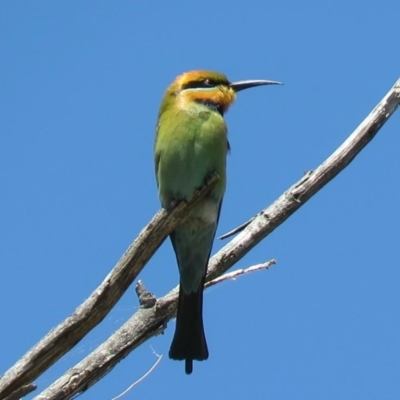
241	85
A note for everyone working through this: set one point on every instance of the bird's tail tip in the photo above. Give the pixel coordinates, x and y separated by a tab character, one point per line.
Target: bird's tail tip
189	351
188	366
189	342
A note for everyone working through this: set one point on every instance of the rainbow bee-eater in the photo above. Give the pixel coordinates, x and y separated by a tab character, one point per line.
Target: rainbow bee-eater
191	144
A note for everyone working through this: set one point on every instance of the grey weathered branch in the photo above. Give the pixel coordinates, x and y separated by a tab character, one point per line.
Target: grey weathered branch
21	392
148	322
270	218
144	324
151	321
90	313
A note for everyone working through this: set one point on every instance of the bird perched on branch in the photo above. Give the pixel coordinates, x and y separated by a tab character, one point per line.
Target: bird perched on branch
191	144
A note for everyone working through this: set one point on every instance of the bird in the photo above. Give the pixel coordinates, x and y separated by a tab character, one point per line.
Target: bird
191	144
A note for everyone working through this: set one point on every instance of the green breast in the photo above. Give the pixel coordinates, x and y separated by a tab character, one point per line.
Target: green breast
190	144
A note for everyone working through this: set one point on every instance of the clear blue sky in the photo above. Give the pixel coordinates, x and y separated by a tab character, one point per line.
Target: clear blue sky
80	84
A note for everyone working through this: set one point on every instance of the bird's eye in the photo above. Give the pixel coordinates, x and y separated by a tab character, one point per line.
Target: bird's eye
208	82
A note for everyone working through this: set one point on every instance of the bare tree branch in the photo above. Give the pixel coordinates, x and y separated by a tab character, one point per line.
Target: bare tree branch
133	333
270	218
21	392
148	322
90	313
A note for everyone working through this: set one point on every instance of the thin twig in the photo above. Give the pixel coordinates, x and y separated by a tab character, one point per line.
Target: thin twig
238	272
140	379
236	230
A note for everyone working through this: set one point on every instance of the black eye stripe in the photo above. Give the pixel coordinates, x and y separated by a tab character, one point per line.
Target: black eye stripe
205	83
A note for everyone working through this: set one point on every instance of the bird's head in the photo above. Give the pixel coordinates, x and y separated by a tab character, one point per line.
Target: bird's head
208	87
